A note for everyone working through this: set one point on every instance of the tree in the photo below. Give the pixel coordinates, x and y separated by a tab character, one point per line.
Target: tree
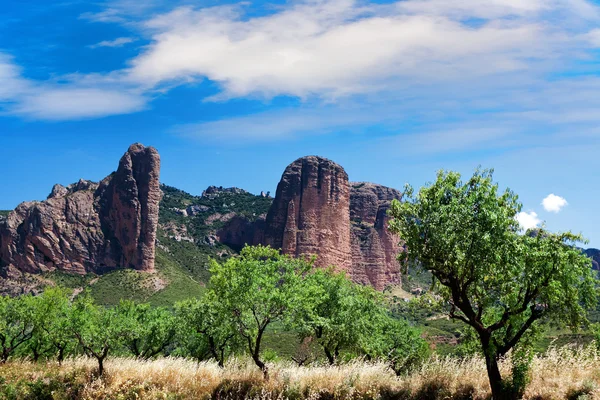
51	333
494	279
16	324
147	331
340	313
396	342
56	306
204	330
98	330
255	289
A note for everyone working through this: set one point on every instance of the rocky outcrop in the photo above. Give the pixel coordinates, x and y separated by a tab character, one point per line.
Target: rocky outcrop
213	192
374	247
87	226
311	212
239	231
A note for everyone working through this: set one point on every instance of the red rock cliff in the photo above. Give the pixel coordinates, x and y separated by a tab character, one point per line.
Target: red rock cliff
311	212
317	211
89	227
374	248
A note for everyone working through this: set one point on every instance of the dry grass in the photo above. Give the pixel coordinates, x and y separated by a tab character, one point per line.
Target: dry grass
559	374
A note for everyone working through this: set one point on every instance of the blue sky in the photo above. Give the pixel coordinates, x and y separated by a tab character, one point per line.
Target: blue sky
231	92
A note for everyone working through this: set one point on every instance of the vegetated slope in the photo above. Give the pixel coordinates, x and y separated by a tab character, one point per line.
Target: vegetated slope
186	243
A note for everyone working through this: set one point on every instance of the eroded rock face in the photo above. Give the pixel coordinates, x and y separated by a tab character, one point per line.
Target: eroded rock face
374	247
317	211
239	231
311	212
88	227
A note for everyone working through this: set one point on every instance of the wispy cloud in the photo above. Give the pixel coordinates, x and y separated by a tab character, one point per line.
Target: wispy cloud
74	99
333	48
554	203
490	61
118	42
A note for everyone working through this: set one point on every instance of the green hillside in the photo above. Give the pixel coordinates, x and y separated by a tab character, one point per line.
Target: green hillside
183	252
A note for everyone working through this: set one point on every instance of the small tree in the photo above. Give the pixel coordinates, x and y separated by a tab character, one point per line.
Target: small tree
494	279
396	342
51	333
205	331
98	330
256	289
340	313
17	324
147	331
57	327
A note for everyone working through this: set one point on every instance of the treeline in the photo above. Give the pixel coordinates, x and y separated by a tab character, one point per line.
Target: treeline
246	295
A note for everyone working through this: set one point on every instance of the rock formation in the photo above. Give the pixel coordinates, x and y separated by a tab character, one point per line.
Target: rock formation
212	192
374	248
239	231
317	211
311	212
87	226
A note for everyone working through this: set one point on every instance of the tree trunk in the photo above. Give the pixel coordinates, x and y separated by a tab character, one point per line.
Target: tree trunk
263	367
499	392
330	356
36	355
100	366
61	355
495	378
5	355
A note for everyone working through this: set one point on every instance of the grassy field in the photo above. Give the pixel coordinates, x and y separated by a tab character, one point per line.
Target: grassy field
567	373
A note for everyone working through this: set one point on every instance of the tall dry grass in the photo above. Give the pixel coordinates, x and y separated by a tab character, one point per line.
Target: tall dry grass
566	373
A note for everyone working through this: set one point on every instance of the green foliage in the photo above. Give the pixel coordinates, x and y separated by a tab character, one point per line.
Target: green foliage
181	284
204	330
125	284
51	333
147	331
398	343
256	289
17	324
98	330
494	279
340	313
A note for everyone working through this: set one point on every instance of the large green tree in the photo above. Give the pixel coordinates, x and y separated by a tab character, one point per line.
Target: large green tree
494	278
256	289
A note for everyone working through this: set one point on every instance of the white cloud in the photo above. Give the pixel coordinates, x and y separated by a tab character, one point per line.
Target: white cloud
423	59
66	103
118	42
77	98
554	203
594	37
333	48
528	220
